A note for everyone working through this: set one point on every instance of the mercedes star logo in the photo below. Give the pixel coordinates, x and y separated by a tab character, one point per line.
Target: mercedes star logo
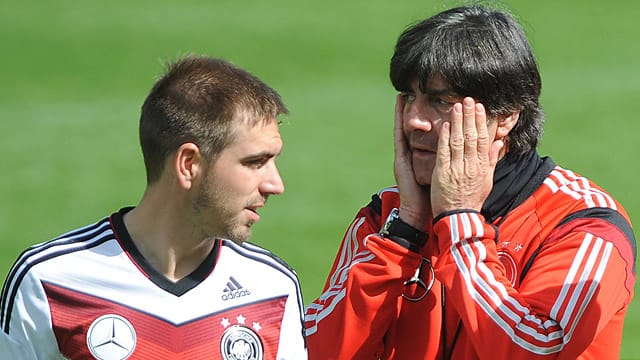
111	337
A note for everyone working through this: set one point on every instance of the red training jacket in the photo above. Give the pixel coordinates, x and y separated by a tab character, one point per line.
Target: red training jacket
551	277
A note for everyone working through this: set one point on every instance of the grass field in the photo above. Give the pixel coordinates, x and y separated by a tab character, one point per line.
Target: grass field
74	74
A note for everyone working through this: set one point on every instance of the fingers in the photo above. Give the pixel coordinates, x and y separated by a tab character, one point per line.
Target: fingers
444	154
456	139
470	132
463	176
481	133
467	137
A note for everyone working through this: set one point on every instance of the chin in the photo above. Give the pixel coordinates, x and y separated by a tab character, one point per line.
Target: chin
423	169
240	238
423	182
239	234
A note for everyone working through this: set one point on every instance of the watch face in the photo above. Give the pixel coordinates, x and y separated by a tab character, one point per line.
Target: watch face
402	233
393	215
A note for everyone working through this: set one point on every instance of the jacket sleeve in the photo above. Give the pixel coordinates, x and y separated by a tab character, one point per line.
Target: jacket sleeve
360	297
581	281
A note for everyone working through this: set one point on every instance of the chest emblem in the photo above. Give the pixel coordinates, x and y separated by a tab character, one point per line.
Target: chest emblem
111	337
241	343
510	267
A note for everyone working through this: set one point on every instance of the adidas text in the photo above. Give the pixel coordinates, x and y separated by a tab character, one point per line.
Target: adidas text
235	294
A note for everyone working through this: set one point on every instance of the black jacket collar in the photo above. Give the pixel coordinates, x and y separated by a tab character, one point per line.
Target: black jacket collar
514	180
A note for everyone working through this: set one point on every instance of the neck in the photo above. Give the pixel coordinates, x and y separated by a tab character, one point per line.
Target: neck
160	236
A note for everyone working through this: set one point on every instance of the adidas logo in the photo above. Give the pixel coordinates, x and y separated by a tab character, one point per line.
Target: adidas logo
234	290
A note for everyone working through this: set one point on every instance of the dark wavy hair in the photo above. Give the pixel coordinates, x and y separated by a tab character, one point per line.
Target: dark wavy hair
481	53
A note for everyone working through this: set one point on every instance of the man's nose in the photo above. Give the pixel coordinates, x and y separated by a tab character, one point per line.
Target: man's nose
273	183
419	117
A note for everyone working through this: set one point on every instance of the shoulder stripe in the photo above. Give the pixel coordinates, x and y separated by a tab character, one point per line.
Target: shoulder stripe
578	188
608	215
262	255
76	240
265	256
611	216
263	251
351	253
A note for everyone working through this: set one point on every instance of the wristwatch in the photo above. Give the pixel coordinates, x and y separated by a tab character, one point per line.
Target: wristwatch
402	233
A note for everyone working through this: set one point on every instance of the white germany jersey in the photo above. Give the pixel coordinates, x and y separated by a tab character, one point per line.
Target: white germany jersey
90	294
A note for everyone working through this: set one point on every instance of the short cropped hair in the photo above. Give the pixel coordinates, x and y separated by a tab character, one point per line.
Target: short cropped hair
481	53
200	99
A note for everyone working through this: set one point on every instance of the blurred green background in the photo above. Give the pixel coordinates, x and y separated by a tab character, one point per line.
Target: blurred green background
74	74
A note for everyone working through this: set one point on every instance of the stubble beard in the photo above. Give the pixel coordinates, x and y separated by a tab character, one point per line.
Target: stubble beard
227	225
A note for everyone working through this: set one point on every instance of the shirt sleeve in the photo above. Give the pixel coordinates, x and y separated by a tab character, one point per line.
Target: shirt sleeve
292	344
11	349
27	321
579	283
360	298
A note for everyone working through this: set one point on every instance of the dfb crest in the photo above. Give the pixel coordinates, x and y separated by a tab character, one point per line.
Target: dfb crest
241	343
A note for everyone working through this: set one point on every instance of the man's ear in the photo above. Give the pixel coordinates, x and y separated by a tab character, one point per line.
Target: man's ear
188	165
506	124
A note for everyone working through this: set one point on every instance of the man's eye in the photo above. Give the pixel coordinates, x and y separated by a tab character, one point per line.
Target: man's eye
442	104
408	97
439	101
255	164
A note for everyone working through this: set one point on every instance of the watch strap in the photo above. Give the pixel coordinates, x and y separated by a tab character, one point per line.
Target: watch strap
402	233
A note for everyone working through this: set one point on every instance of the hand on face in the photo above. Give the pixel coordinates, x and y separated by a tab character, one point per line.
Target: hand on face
466	160
414	198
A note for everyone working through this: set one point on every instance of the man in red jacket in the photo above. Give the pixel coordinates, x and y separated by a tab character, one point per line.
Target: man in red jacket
484	249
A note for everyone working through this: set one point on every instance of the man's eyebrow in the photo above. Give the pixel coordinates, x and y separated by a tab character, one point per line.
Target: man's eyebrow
441	92
261	155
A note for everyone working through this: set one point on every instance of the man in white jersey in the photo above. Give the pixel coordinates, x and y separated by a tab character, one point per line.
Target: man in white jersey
173	277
